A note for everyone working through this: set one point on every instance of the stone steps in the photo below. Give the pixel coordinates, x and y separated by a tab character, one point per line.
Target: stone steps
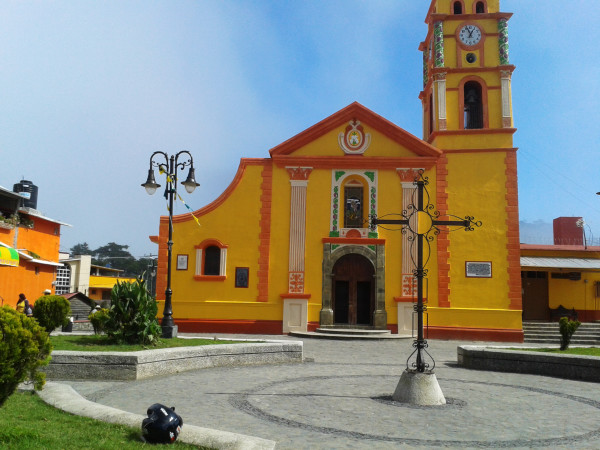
548	333
347	332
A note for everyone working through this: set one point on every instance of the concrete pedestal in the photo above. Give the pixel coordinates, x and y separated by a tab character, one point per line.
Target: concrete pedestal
419	388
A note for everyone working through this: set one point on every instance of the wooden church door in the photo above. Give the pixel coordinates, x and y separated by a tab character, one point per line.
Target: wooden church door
353	288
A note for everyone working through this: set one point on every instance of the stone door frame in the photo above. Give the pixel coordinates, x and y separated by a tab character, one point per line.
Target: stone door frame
331	254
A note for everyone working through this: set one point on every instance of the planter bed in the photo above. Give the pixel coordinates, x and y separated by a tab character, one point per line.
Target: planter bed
74	365
500	359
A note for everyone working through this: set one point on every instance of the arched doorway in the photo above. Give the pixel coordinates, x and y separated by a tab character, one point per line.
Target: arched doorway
353	290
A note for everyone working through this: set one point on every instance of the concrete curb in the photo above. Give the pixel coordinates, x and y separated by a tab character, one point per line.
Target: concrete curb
73	365
500	359
64	397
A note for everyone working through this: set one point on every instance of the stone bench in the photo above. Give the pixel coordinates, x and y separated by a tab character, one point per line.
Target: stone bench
121	366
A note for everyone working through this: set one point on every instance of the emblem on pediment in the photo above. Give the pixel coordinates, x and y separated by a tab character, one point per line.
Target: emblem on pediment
354	140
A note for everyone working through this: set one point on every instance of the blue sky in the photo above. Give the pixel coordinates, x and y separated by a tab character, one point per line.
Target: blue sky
90	89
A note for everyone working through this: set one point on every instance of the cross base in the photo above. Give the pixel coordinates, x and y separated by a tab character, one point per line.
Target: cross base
419	388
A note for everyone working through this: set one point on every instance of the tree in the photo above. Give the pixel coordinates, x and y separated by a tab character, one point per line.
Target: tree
24	348
52	311
115	256
81	249
112	250
567	327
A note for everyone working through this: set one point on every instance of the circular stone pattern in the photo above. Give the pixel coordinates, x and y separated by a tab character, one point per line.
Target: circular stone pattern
360	407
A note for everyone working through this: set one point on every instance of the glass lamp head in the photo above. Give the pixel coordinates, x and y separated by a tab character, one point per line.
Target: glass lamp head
150	185
190	182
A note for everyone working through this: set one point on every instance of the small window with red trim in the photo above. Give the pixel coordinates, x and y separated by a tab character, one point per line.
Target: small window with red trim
211	258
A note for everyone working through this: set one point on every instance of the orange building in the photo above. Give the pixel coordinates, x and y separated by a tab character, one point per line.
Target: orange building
29	246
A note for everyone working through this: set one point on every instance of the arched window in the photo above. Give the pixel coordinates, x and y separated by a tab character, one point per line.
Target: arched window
457	8
353	205
212	260
479	8
473	104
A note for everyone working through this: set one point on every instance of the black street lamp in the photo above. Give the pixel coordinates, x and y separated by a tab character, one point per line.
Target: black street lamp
170	166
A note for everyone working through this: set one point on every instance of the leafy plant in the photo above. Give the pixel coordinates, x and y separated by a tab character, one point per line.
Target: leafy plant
567	328
98	319
24	348
132	315
17	219
52	311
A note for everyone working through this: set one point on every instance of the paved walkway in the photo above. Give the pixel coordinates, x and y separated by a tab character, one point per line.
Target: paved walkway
341	398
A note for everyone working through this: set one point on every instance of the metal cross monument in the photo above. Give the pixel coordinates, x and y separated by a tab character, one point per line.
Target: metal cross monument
421	221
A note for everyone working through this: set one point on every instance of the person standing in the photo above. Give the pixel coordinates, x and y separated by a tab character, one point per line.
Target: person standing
23	306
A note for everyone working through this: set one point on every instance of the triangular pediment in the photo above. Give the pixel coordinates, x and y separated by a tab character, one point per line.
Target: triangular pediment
334	126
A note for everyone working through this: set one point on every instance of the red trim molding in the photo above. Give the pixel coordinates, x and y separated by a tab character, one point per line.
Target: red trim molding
443	240
210	277
351	241
265	233
298	296
475	334
208	242
161	266
355	111
312	326
354	162
512	233
244	163
230	326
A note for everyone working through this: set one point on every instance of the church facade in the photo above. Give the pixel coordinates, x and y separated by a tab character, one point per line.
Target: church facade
301	252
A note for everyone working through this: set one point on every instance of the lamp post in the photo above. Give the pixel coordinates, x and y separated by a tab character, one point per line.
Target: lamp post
169	165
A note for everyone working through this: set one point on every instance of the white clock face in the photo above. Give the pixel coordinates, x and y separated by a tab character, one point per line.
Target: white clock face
470	35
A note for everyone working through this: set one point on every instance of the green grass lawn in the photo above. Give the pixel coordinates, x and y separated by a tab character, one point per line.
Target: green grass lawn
101	343
592	351
26	422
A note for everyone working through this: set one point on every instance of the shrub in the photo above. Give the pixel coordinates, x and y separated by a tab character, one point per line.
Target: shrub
98	318
567	328
24	348
132	314
52	311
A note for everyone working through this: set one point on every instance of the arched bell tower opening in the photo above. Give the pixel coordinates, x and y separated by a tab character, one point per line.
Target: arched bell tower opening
473	105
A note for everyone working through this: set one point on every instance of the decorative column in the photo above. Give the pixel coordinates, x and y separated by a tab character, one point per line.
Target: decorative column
505	75
505	78
295	301
440	83
409	255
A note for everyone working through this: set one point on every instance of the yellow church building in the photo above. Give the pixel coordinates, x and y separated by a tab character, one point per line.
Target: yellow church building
288	246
